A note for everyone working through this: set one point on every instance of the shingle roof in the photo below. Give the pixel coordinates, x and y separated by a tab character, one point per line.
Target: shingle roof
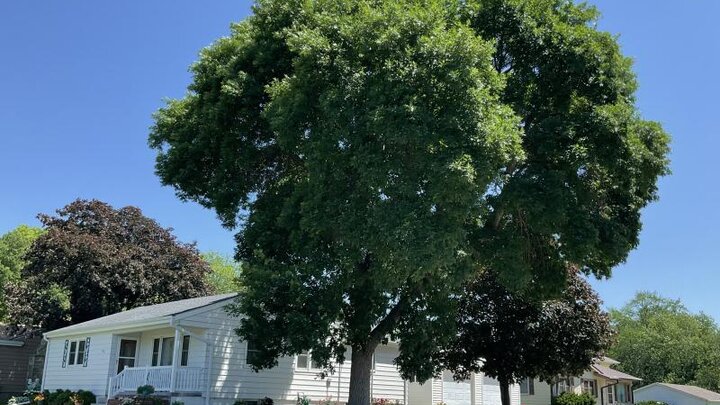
697	392
613	374
144	314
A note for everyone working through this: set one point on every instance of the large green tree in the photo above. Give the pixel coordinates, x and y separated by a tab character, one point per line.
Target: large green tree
659	340
13	247
376	154
102	260
510	335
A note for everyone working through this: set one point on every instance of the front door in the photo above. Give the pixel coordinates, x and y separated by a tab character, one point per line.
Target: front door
127	354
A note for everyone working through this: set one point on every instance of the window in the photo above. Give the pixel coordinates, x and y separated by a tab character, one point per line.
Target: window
76	354
563	385
73	351
126	355
621	394
305	362
611	394
252	352
527	386
589	387
164	348
185	350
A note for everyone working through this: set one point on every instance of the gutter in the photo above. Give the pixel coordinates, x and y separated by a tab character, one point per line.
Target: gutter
602	399
109	328
12	343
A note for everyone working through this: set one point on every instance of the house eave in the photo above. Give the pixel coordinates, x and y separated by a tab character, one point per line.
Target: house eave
118	327
12	343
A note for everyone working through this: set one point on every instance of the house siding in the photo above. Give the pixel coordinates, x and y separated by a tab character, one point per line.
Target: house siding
93	377
17	364
233	379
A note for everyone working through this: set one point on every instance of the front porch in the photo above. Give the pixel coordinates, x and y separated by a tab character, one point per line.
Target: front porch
186	381
173	360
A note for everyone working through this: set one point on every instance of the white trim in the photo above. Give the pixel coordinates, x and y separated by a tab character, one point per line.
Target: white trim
124	327
14	343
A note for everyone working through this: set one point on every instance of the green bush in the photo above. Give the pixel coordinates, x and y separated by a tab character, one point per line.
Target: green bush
651	403
569	398
86	397
145	390
65	397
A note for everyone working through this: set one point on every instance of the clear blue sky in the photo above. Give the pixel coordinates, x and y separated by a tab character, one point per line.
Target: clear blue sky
79	81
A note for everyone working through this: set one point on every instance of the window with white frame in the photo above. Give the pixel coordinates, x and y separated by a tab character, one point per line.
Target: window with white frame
76	353
164	348
563	385
589	387
305	362
252	352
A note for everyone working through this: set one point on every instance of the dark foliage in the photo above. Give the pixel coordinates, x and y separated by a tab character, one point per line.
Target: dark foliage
94	260
517	336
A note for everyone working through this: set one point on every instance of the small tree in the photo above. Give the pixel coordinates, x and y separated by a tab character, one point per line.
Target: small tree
104	260
517	336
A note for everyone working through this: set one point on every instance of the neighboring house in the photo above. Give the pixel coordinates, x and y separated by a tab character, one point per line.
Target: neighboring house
607	385
478	390
20	360
674	394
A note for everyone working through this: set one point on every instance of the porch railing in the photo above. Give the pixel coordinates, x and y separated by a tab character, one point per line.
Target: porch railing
187	379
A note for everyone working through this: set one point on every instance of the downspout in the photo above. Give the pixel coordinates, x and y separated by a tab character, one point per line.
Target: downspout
602	400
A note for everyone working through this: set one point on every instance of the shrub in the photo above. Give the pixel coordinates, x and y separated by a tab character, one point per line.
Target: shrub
569	398
651	403
266	401
145	390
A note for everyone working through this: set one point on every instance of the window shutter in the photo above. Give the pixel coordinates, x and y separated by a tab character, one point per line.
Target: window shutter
531	386
64	358
87	351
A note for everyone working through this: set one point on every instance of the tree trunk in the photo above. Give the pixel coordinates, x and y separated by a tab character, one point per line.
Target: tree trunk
360	373
504	391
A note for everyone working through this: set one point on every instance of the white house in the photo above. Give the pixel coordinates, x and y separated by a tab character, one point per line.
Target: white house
607	385
189	351
674	394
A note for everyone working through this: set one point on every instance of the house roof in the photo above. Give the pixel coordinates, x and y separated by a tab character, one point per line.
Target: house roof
692	390
141	315
612	374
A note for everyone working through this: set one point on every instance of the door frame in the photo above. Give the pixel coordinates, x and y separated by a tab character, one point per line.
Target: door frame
117	356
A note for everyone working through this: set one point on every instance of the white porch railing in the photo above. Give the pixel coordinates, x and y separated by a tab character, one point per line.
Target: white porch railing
187	379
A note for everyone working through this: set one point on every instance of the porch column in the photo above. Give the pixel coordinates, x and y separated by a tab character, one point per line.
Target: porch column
176	358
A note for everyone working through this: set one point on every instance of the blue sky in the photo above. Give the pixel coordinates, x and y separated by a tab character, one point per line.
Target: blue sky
79	81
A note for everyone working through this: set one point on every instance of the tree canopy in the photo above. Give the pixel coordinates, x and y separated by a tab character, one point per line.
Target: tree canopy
13	247
223	274
376	154
102	260
659	340
510	336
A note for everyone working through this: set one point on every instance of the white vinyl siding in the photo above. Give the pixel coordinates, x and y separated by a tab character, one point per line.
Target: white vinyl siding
233	379
92	377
